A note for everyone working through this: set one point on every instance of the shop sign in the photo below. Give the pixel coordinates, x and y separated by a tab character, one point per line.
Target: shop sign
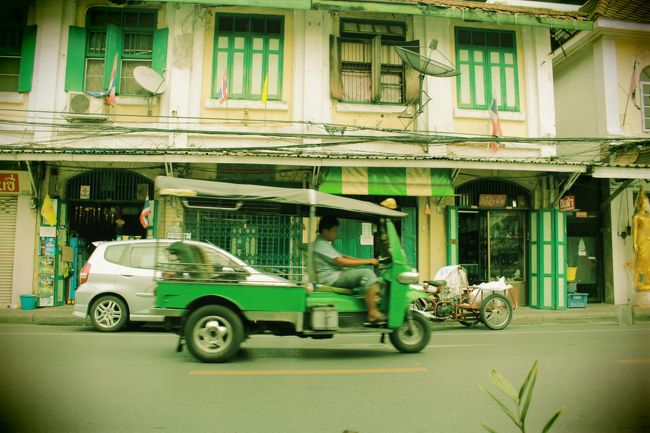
9	182
567	203
492	200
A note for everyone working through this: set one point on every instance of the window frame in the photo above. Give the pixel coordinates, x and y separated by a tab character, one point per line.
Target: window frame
644	89
487	65
112	42
23	52
377	72
248	51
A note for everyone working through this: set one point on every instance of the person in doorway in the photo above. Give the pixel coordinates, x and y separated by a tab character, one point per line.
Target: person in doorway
641	230
334	269
119	229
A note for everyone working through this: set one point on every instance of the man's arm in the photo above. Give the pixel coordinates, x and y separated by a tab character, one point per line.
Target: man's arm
347	261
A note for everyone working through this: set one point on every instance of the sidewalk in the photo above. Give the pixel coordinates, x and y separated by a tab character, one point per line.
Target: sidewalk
593	313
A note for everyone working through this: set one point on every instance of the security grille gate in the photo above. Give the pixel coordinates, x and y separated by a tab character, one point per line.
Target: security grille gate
270	243
8	209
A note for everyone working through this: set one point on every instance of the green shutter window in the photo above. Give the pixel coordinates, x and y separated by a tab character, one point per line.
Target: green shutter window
76	59
159	56
27	59
452	236
249	51
487	61
548	259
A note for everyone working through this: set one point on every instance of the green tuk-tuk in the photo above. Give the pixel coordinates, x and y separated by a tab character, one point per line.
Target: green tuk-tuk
215	303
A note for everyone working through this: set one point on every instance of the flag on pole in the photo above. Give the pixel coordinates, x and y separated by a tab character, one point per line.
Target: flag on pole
48	212
110	97
496	124
146	211
265	89
223	88
634	85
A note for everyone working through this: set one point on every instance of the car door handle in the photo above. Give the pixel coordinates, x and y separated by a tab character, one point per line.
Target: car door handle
127	275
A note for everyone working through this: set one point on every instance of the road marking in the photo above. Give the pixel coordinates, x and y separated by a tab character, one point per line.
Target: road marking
458	345
633	361
306	372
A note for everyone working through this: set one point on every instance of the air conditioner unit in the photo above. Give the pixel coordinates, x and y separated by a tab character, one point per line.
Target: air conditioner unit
85	107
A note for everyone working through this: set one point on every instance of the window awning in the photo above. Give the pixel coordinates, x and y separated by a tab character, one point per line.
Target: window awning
423	182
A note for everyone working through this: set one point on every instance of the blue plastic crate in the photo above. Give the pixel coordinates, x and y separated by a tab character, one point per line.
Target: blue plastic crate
578	300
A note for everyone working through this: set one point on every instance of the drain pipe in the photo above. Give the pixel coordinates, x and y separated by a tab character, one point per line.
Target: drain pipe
31	179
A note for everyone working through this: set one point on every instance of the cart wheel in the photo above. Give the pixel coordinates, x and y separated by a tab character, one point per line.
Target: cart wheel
413	335
496	311
213	333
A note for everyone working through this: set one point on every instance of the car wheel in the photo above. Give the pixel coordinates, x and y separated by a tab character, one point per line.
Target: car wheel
108	314
413	335
213	333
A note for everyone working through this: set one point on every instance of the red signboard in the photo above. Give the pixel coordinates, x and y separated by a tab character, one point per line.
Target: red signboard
9	182
492	200
568	202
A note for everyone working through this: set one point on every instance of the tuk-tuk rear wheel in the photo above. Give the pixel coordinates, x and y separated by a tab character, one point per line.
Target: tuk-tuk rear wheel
213	333
413	335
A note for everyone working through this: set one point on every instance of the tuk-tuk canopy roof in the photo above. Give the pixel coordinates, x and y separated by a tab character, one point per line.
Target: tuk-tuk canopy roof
242	192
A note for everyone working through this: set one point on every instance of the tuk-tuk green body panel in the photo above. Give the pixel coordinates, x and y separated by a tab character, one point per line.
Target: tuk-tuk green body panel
180	294
343	303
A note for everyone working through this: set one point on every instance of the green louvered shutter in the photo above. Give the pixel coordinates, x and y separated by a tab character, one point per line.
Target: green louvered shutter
76	60
159	55
548	259
534	301
410	235
114	44
452	235
27	59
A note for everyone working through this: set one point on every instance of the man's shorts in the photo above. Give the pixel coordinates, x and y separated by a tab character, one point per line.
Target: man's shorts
353	278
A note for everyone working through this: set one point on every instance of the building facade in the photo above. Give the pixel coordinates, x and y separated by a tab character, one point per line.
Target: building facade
303	94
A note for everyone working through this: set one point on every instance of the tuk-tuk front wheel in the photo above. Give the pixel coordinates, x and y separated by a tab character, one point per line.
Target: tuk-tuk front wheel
213	333
413	335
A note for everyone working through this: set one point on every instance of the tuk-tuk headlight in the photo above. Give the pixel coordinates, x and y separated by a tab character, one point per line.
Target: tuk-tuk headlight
409	277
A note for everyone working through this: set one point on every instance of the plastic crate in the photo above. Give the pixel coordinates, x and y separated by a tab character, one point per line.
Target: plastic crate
578	300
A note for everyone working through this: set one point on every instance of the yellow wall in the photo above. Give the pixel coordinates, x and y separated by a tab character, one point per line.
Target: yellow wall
287	69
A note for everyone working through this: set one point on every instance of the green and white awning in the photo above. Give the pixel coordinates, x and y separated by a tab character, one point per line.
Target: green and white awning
423	182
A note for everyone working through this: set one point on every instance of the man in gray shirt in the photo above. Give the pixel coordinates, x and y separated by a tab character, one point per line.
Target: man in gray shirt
333	269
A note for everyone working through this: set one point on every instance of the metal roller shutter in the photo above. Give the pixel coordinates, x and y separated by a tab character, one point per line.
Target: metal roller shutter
8	210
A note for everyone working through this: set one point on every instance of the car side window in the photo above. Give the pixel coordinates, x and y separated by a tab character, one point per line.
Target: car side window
113	253
142	257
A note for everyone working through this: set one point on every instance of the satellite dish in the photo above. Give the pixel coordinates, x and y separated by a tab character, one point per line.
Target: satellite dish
425	65
150	80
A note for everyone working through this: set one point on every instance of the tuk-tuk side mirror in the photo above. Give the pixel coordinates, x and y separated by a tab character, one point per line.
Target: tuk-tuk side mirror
409	277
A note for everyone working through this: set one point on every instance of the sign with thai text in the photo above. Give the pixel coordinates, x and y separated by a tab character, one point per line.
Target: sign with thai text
568	202
492	200
9	182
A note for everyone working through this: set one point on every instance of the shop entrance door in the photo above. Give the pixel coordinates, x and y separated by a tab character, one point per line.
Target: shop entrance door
584	253
492	244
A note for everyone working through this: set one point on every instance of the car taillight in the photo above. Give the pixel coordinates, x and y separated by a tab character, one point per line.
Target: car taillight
85	272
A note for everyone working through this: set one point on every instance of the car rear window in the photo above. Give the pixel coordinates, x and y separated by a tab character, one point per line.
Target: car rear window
114	253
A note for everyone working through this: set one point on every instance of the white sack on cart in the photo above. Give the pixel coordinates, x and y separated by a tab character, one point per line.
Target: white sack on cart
455	276
487	289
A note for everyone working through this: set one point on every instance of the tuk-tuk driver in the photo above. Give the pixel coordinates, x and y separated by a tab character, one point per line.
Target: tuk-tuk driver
334	269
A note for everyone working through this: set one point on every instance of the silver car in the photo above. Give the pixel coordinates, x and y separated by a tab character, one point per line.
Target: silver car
117	281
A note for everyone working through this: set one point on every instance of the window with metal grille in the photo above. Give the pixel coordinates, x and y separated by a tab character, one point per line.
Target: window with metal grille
12	23
645	97
133	42
249	53
270	242
487	60
371	70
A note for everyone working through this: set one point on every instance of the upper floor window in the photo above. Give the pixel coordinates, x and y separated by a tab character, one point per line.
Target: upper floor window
249	51
487	60
366	67
130	35
17	44
644	84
